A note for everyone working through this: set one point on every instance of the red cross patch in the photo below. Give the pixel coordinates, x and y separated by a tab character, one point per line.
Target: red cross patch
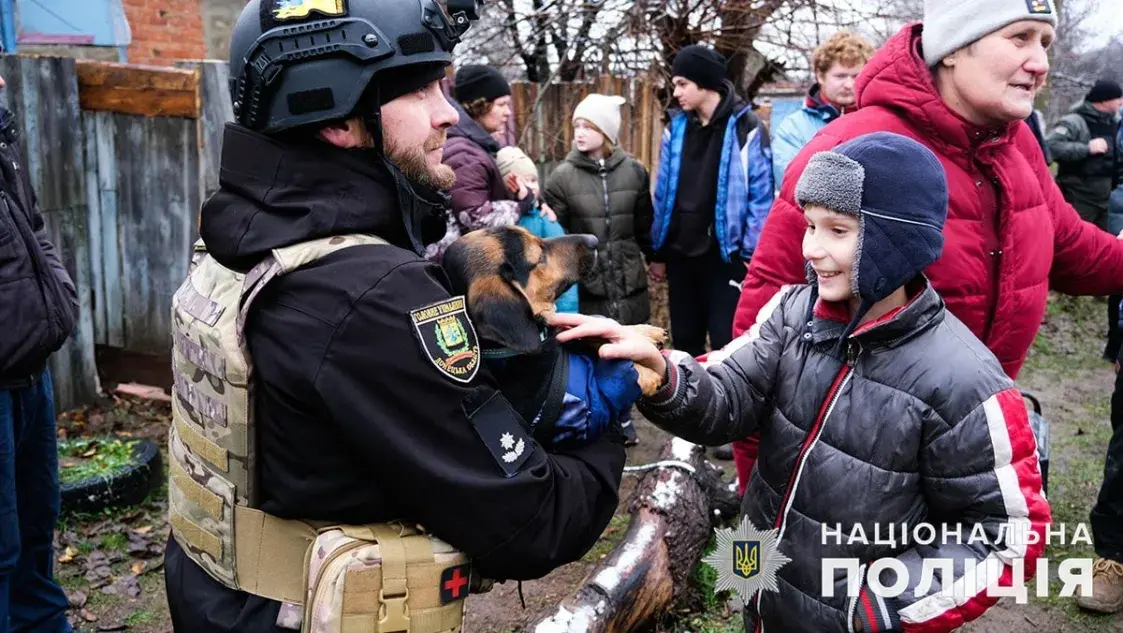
454	583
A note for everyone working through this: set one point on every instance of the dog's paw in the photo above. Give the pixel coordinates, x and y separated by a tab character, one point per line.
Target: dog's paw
656	335
649	380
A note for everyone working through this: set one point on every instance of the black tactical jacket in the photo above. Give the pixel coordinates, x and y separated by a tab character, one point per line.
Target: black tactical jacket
356	422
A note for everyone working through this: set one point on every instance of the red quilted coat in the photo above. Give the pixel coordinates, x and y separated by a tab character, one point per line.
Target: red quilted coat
1010	235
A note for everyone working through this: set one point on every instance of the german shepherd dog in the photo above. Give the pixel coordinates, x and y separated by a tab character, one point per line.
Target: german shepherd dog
512	278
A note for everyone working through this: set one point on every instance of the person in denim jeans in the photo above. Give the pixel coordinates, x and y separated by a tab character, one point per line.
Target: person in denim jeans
30	599
38	308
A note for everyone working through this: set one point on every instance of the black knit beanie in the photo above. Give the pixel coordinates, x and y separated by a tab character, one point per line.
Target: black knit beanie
1104	90
476	81
700	64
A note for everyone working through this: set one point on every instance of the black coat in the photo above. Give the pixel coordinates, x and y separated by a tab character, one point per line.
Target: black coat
613	202
38	301
355	422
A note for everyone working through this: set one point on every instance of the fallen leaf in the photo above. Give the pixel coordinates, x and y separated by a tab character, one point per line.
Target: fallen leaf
138	567
90	453
87	615
129	586
97	567
143	530
114	626
77	599
68	555
98	527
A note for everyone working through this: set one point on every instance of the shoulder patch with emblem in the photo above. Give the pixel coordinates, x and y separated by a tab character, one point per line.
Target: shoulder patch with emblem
498	427
300	9
448	338
1040	7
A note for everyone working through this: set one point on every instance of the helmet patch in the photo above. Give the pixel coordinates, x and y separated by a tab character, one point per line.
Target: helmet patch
299	9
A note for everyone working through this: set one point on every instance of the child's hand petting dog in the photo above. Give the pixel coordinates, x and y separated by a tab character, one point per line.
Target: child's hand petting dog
638	343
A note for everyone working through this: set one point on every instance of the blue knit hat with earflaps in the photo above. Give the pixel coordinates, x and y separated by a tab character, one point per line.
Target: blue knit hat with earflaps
898	190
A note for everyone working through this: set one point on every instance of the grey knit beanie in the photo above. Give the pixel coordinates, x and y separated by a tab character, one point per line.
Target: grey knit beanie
949	25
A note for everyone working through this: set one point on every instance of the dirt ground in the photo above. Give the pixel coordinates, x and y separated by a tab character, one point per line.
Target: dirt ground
110	564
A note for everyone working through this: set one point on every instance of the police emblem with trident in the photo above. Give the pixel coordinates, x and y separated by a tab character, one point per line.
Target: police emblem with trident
746	560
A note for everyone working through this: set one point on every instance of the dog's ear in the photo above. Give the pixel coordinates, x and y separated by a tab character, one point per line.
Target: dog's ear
502	315
456	265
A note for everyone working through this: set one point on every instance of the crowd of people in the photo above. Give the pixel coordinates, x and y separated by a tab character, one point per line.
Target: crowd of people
852	295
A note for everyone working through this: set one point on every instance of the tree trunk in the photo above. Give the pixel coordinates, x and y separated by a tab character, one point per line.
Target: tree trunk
673	513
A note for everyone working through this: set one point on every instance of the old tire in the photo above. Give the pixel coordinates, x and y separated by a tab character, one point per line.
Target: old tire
125	487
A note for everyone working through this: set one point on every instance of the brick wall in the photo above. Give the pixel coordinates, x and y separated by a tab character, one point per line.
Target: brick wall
165	31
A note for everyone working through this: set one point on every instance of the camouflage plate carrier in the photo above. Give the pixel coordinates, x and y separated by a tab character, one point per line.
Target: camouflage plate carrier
343	579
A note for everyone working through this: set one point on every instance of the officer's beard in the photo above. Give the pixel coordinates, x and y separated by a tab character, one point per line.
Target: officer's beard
414	164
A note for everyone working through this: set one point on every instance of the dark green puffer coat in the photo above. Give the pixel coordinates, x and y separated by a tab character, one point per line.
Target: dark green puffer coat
613	202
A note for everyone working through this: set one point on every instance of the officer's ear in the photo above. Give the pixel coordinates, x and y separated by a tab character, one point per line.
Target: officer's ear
502	314
347	134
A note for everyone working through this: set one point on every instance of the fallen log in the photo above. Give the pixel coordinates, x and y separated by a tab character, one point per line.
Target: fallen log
673	510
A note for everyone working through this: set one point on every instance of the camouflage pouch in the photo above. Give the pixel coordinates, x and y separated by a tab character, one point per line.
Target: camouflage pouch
385	577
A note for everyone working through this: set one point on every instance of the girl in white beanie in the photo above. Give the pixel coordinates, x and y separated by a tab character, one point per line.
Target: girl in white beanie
601	190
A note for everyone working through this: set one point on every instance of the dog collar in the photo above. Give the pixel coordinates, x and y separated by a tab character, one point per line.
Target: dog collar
498	353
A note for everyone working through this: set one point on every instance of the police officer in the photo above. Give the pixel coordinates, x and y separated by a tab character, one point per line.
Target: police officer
367	402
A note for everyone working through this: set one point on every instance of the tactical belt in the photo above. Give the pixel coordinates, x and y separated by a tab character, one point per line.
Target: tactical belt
271	561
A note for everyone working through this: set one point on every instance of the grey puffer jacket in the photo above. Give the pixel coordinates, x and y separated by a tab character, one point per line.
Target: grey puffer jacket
919	425
613	202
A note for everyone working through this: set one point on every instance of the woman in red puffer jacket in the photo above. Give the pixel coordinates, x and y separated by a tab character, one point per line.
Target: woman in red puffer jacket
1010	234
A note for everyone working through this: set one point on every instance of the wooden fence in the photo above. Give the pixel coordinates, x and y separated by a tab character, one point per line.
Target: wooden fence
120	162
543	125
122	157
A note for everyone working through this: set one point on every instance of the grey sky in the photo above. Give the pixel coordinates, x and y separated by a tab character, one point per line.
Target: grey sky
1109	19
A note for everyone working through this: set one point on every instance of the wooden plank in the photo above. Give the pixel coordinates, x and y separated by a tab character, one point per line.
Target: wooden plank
43	95
216	112
93	221
158	197
109	242
143	90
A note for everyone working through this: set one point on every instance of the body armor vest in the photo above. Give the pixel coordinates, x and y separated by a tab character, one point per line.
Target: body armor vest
213	494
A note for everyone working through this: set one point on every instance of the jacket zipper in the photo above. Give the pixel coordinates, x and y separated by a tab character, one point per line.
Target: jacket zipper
825	410
995	255
607	239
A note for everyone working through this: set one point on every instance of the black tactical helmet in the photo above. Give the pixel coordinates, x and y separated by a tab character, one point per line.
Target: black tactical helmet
297	62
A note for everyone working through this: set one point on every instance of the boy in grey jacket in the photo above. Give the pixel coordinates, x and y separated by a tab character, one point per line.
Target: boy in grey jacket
876	407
